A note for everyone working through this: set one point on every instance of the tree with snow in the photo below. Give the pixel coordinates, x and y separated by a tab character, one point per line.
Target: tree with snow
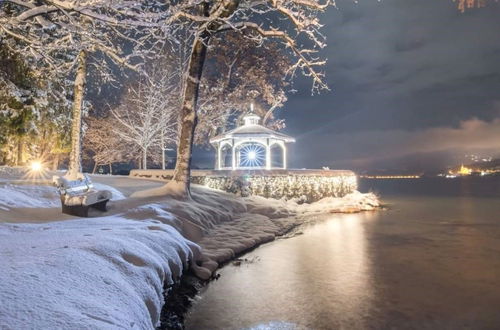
58	37
33	108
241	73
293	25
103	145
147	116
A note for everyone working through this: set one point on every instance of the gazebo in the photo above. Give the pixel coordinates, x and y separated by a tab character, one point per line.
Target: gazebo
251	146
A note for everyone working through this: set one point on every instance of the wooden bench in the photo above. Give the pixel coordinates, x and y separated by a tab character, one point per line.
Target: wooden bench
77	196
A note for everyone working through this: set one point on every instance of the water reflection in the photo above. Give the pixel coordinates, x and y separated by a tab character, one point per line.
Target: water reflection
275	325
317	280
429	262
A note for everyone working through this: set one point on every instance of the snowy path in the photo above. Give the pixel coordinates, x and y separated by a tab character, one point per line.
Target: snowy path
33	208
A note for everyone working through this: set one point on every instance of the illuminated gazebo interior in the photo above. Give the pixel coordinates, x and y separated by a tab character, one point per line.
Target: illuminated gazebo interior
251	146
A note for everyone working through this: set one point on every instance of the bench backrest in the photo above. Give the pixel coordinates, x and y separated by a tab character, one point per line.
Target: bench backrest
73	187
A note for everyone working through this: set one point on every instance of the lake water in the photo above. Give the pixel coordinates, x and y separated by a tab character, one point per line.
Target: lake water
430	261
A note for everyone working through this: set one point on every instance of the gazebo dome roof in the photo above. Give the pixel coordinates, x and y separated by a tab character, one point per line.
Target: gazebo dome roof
252	129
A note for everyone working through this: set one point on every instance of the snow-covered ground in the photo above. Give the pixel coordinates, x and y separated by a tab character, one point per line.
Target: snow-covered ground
108	271
20	190
92	273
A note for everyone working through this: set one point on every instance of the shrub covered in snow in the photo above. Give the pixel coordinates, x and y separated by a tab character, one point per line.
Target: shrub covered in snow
309	185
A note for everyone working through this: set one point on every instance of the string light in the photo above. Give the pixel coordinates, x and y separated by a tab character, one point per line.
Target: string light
309	187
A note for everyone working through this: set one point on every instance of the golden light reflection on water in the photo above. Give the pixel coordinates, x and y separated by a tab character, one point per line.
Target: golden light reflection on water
321	279
344	270
426	262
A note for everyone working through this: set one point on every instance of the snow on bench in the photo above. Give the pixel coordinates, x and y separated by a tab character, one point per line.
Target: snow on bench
77	196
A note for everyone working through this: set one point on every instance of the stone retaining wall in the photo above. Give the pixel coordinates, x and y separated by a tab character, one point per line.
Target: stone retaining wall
311	185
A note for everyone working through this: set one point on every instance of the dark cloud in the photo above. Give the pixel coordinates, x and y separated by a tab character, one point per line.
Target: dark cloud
414	84
399	70
376	147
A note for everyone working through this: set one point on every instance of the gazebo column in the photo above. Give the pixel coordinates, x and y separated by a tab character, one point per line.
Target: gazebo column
268	156
233	156
284	156
217	159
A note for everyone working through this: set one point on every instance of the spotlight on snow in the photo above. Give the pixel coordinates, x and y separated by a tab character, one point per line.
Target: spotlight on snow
36	166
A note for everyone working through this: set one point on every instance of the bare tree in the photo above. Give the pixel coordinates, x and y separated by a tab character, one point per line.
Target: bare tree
147	115
104	144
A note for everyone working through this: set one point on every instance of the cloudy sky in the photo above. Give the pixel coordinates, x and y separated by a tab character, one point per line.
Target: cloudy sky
413	83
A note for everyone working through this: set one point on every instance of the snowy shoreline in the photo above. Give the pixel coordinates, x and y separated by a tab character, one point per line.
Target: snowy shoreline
178	296
189	285
130	252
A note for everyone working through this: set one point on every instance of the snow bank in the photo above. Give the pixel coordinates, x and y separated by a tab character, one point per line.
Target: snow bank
32	196
9	172
96	273
351	203
225	225
42	196
116	195
264	219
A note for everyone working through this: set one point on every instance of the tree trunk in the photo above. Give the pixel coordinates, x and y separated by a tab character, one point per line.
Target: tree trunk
180	183
20	151
145	158
111	168
76	125
95	167
189	118
162	150
55	162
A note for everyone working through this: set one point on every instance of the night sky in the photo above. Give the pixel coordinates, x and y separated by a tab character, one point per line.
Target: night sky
415	85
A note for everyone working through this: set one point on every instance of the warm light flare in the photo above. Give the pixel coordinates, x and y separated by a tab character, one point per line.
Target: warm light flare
36	166
36	170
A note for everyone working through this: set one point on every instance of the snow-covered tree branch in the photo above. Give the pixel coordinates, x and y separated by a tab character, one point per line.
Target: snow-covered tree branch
291	25
59	36
147	116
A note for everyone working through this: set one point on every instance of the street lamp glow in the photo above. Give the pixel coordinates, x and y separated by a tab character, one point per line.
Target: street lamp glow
36	166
